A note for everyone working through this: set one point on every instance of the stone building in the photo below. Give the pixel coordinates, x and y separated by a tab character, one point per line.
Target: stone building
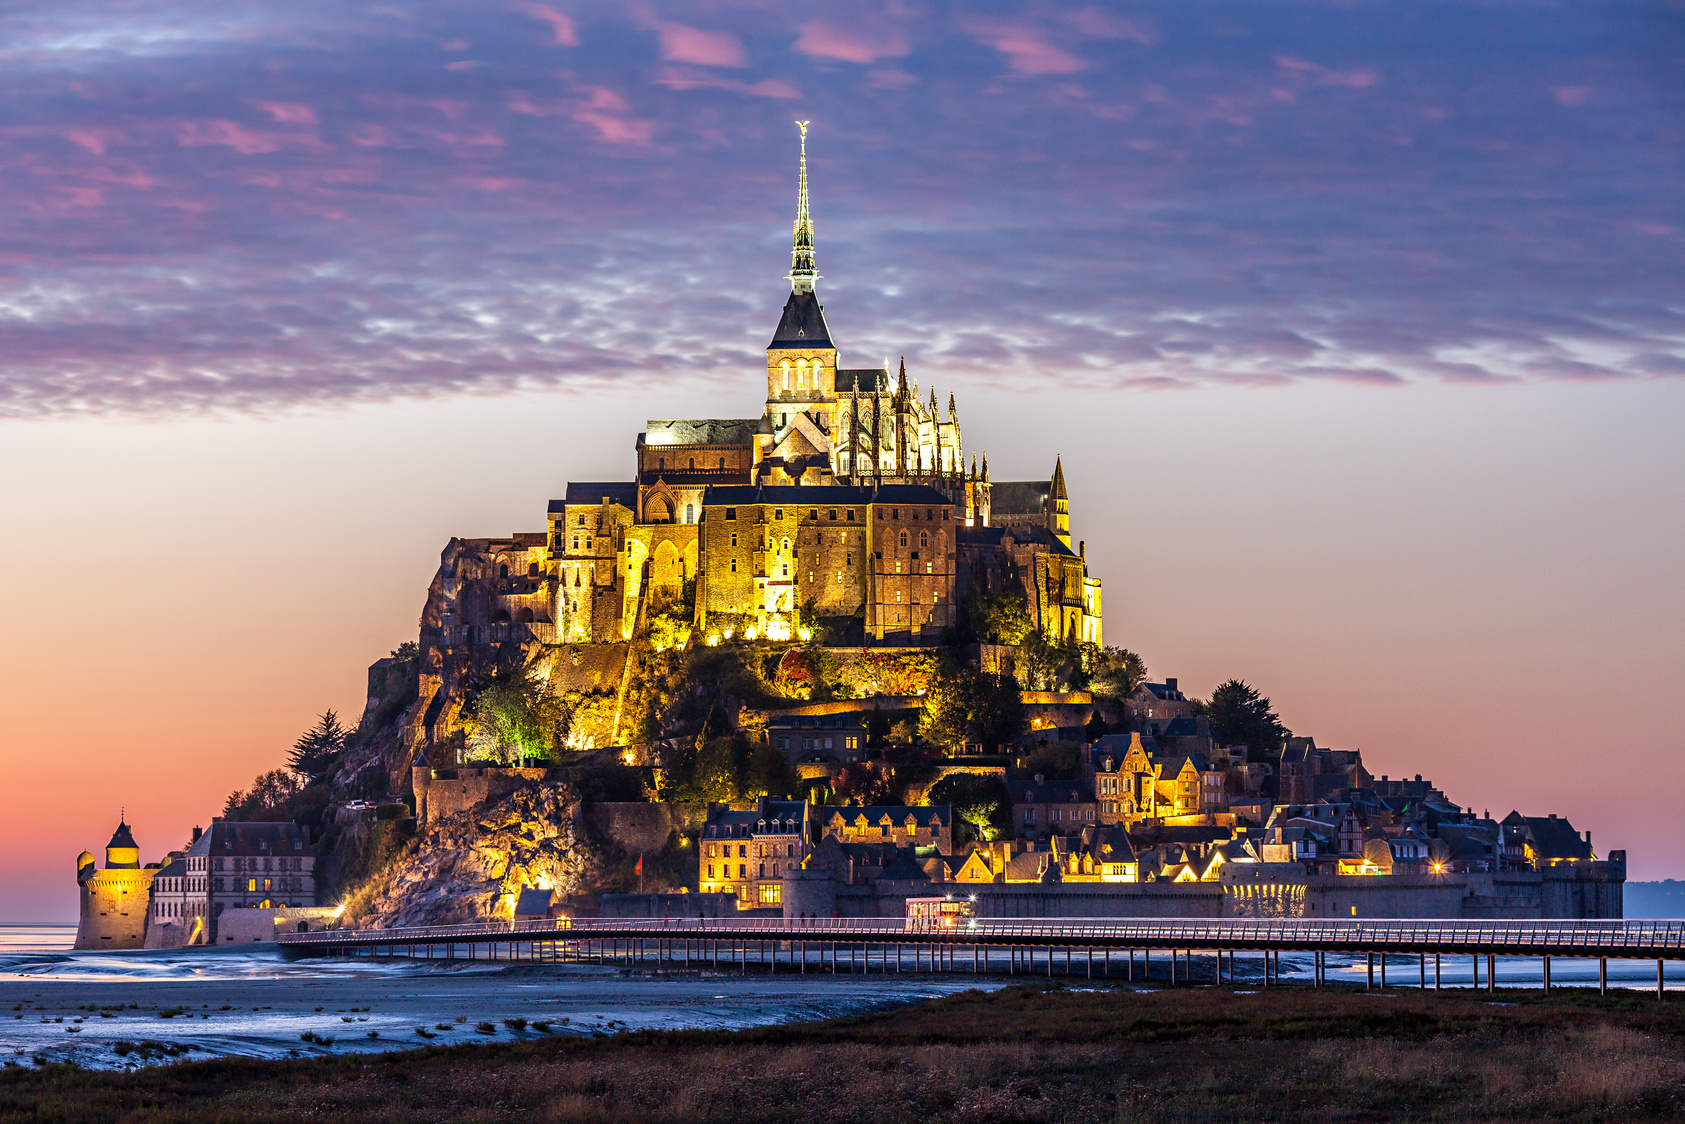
746	850
113	902
901	825
744	523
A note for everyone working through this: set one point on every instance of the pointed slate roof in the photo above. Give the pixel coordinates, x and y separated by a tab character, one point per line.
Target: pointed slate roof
803	324
122	837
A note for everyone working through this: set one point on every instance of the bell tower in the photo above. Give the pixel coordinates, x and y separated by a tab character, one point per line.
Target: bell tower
801	360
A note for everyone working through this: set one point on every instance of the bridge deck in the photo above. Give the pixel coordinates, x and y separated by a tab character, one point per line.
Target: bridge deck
1648	940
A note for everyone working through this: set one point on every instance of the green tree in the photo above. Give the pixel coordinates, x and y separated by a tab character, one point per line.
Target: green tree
1116	672
982	801
719	771
963	702
999	616
1241	716
316	750
269	799
769	774
1096	728
514	718
864	783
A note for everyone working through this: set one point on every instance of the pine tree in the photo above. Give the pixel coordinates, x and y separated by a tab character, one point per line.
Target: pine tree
316	750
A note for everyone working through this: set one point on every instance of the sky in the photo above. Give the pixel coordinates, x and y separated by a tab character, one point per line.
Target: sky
1360	328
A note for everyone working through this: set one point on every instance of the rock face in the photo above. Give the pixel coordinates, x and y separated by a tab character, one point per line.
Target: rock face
475	863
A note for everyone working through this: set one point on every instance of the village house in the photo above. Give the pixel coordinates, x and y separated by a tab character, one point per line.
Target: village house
745	851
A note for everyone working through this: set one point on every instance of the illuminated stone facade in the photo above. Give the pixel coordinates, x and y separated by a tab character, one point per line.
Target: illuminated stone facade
849	495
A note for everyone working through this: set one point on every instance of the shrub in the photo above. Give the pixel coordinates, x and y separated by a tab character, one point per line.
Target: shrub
485	1028
392	812
517	1023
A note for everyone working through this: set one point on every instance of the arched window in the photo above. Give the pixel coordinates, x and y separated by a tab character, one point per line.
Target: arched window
722	463
903	538
693	464
503	571
784	546
784	375
660	463
690	513
532	569
924	539
524	617
801	374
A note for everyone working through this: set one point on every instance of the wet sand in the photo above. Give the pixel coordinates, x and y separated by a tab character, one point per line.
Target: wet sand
253	1003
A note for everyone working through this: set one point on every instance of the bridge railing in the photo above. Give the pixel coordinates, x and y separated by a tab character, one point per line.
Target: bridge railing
1408	935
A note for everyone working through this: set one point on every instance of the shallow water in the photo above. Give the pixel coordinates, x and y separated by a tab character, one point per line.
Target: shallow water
16	936
248	1002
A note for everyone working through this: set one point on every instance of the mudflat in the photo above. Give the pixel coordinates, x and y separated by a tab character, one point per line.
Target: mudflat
1022	1053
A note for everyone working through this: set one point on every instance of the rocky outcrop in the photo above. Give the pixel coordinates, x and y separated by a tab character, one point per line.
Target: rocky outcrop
475	863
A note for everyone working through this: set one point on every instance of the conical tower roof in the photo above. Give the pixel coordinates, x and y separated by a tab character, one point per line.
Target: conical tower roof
122	837
1059	479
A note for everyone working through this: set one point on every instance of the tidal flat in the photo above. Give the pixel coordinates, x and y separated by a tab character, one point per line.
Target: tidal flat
1024	1053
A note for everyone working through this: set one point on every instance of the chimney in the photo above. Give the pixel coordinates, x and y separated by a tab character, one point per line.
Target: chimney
197	832
1418	778
1171	683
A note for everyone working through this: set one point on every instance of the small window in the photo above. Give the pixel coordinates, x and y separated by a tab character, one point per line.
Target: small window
945	514
722	464
895	513
734	538
814	515
851	515
731	513
778	513
903	538
734	565
693	464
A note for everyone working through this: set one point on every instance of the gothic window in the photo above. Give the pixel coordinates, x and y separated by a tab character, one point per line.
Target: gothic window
690	513
924	539
722	464
903	538
784	375
660	463
784	546
503	571
693	464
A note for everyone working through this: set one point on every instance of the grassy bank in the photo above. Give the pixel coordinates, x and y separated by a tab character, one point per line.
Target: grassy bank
1022	1054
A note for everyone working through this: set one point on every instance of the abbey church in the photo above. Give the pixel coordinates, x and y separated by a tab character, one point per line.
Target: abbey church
849	497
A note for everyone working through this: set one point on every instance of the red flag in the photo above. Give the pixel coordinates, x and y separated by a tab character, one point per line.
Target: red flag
639	871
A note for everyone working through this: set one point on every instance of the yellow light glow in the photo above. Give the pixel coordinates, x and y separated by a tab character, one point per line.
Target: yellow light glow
629	757
714	640
806	634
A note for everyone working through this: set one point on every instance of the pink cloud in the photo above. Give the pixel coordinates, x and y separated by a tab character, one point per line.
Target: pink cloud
605	111
890	79
849	45
560	24
196	134
288	113
1027	51
693	80
1573	95
369	136
94	140
1096	24
1323	76
464	64
704	48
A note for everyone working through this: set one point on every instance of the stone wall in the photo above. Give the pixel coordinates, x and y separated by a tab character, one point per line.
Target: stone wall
440	793
672	905
643	828
242	926
1270	890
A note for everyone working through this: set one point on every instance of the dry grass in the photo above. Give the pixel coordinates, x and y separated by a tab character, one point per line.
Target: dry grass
1022	1055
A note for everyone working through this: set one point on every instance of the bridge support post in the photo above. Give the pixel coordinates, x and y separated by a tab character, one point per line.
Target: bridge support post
1090	961
1436	971
1474	966
1422	970
1659	985
1544	963
1383	971
1369	981
1491	974
1603	975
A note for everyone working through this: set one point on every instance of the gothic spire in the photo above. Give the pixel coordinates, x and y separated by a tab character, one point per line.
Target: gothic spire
1058	486
802	271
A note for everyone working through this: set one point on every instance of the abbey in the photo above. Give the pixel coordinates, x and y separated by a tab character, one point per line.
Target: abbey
849	496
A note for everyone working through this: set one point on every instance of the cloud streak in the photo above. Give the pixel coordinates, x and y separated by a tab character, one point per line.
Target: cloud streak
295	207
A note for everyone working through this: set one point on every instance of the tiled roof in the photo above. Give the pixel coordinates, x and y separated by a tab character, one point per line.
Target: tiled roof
699	431
623	492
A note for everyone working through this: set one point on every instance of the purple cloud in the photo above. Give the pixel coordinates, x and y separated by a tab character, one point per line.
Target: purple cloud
273	205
